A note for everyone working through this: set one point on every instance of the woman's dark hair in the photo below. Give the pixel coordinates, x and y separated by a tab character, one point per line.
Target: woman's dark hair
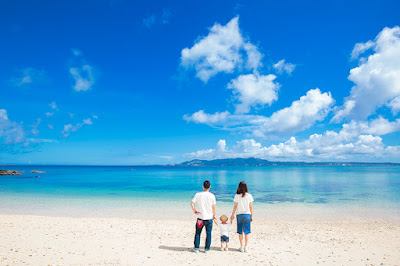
242	188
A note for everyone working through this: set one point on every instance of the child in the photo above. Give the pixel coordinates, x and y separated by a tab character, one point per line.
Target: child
224	227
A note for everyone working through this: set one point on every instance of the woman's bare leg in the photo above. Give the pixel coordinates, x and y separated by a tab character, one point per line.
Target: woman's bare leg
246	239
241	240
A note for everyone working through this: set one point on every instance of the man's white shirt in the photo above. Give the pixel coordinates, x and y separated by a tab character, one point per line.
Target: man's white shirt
204	201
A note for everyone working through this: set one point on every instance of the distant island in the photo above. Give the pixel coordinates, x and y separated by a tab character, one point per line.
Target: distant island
260	162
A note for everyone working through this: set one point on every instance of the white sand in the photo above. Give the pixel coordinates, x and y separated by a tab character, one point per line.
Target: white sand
40	240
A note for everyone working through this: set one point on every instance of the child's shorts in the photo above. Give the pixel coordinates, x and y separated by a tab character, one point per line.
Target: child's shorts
224	239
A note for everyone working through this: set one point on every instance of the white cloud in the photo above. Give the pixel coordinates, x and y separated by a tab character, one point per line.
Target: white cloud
166	16
376	79
379	126
53	105
253	90
395	105
69	128
10	131
204	118
224	49
281	67
83	77
160	18
28	76
3	114
54	108
35	127
330	146
82	73
149	21
360	48
302	114
76	52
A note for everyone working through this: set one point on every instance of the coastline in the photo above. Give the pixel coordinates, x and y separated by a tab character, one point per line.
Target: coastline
33	240
170	209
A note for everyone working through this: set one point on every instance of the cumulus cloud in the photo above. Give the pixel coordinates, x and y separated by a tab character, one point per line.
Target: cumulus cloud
28	76
360	48
53	107
282	67
224	49
162	18
331	145
76	52
302	114
395	105
208	119
35	127
376	79
254	89
149	21
69	128
10	131
82	73
379	126
83	77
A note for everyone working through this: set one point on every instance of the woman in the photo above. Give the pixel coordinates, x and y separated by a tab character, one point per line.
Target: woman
244	214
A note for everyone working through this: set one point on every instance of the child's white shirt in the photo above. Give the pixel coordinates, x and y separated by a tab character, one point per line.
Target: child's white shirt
224	229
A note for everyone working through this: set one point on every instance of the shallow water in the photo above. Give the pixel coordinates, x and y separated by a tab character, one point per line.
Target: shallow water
120	191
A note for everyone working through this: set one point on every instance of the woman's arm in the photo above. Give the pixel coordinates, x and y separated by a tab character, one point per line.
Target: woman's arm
251	210
233	212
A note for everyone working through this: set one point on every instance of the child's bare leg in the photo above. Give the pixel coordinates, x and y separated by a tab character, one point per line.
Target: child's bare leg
222	244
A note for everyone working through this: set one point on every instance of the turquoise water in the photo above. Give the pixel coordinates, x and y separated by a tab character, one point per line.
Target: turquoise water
110	188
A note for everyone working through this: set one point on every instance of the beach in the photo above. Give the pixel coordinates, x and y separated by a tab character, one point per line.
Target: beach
74	215
39	240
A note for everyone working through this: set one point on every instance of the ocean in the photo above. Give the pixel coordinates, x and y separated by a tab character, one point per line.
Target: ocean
167	192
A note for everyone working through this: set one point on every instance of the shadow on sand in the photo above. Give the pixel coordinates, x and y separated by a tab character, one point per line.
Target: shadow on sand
183	249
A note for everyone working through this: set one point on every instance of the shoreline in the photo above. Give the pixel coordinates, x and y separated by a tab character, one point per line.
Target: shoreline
36	240
274	212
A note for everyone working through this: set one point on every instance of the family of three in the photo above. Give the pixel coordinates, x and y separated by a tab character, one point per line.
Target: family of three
206	212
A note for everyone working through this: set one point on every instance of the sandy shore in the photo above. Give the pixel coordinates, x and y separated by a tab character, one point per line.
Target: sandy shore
38	240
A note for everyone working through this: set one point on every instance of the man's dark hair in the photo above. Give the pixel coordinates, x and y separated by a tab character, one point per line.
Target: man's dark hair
206	184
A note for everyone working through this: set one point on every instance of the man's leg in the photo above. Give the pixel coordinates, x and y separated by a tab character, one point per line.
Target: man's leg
208	224
197	236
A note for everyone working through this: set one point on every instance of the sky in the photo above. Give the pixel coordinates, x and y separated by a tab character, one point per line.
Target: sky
121	82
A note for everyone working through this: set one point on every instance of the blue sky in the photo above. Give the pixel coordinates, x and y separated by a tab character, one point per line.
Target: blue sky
126	82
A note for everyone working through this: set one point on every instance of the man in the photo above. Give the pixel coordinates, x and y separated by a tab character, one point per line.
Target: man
206	206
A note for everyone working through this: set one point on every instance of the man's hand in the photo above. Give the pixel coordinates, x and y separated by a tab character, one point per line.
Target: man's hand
232	218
